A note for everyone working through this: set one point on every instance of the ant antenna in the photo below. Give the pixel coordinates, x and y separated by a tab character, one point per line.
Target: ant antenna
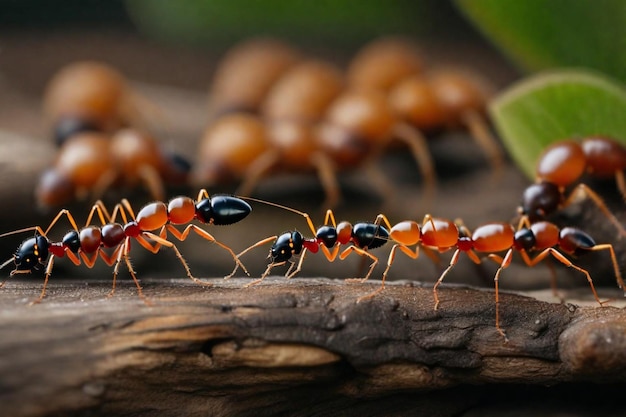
7	262
14	232
269	203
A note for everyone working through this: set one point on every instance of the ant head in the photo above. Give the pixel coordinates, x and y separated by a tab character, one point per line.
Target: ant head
31	254
540	200
286	245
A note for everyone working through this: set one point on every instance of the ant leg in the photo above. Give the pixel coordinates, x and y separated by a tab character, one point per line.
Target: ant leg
256	170
484	139
290	274
45	281
122	252
265	274
206	235
124	209
103	214
453	261
561	258
141	239
584	189
421	153
504	263
71	256
63	212
327	174
152	180
103	183
381	184
407	251
618	275
361	252
256	245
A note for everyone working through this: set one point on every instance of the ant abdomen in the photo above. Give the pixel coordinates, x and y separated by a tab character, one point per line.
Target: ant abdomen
222	210
604	156
574	241
369	235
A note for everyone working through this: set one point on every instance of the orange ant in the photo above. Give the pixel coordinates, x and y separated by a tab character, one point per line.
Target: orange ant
429	100
562	164
89	242
360	236
92	162
542	237
356	123
443	235
246	74
89	96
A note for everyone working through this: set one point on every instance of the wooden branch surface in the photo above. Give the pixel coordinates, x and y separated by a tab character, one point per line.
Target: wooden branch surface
223	350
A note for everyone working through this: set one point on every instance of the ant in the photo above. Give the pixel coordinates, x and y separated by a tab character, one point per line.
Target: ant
92	162
356	123
89	96
89	242
247	73
329	237
543	239
430	100
561	165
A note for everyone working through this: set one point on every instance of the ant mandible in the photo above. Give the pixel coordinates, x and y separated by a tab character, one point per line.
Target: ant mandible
87	243
361	237
562	164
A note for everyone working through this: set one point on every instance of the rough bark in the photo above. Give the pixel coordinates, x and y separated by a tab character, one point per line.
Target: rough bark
283	346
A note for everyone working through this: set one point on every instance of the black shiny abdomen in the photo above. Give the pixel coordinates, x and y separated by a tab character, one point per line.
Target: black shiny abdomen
222	210
286	245
369	235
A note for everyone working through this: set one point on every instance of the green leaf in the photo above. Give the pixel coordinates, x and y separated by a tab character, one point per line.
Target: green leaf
540	34
557	105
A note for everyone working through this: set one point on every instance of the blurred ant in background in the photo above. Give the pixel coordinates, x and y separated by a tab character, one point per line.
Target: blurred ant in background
99	125
315	120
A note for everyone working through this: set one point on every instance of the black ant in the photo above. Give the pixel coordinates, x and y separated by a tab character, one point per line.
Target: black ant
329	238
89	242
562	164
